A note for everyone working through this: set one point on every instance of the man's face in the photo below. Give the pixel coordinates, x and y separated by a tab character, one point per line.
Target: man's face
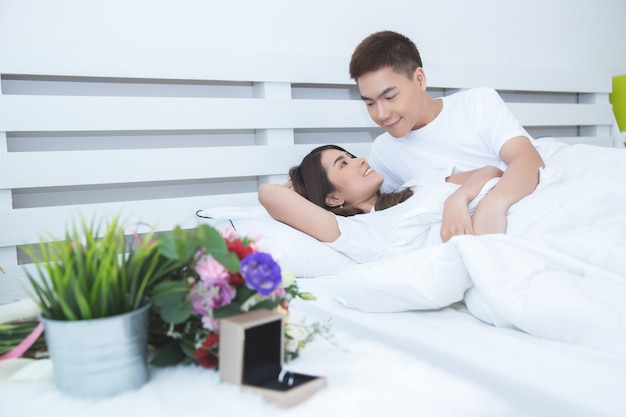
396	103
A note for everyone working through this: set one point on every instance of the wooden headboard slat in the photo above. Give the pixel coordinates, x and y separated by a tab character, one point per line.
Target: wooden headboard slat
157	135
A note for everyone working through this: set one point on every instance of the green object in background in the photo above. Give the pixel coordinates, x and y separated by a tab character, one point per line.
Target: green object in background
618	99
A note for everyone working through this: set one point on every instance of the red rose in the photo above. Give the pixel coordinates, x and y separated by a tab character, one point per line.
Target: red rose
235	279
238	248
206	354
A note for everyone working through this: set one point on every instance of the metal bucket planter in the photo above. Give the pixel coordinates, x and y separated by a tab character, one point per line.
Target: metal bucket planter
100	357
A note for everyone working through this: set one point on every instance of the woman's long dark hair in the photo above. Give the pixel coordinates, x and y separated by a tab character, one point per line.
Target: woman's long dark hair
310	180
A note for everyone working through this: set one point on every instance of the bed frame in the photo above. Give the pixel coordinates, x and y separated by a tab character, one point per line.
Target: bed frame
157	135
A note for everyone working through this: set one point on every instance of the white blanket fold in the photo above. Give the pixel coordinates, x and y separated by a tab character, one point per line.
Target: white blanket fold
424	279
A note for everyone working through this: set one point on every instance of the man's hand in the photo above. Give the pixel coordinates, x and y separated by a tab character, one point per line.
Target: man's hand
519	180
489	217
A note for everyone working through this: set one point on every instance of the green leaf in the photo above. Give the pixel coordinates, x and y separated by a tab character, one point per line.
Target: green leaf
171	300
168	245
90	274
188	348
243	293
179	244
227	311
170	354
214	244
267	304
167	287
230	261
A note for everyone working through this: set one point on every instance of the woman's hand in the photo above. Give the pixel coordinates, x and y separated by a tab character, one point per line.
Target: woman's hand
456	218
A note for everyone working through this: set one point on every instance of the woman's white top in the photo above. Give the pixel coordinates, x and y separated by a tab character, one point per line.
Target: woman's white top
413	223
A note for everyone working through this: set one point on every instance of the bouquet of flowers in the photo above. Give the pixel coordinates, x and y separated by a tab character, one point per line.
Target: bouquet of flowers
212	276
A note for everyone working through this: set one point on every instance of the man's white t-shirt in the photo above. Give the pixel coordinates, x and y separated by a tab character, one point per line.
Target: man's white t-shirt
466	135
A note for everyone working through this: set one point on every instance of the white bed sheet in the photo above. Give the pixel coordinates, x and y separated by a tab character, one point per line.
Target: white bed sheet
365	378
435	363
539	376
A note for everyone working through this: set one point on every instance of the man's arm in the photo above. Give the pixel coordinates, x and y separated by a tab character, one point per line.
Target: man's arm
519	180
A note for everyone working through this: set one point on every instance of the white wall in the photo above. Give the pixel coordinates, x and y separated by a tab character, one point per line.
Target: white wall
554	34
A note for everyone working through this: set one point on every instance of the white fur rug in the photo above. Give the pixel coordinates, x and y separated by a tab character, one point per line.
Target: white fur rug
364	379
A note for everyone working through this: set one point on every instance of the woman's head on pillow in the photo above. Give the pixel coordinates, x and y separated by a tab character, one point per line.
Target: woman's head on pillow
338	181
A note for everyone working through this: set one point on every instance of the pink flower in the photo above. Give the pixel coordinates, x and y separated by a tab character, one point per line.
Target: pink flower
209	294
279	293
230	233
208	268
253	247
211	324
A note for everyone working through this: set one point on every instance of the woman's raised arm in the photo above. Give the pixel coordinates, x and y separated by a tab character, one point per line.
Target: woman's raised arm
289	207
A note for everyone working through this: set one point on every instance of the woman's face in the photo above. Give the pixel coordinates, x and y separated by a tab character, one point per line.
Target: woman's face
356	183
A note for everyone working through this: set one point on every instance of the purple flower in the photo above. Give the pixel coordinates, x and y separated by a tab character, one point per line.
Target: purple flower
209	294
261	272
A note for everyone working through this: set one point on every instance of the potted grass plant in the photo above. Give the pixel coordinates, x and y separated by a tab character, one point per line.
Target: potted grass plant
92	290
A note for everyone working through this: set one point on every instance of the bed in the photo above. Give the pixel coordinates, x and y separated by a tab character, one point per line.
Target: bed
170	137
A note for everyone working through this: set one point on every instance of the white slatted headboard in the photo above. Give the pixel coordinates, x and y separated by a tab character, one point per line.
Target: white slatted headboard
157	135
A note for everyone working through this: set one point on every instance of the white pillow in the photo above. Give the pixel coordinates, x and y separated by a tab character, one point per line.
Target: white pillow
297	252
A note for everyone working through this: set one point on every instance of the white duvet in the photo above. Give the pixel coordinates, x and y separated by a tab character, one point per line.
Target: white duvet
558	273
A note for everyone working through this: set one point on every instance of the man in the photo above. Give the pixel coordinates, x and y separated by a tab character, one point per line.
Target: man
429	139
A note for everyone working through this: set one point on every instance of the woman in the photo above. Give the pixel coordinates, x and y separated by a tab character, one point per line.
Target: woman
330	192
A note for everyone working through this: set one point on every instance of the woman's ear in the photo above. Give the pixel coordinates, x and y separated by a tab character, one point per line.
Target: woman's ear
333	200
